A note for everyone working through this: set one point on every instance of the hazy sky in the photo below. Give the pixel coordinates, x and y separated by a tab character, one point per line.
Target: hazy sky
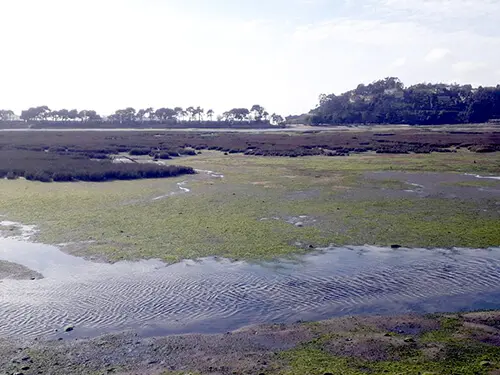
108	54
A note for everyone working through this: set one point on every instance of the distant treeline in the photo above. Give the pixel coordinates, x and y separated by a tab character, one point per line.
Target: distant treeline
177	117
388	101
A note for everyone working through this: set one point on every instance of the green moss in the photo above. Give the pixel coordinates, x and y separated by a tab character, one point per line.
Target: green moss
455	358
225	217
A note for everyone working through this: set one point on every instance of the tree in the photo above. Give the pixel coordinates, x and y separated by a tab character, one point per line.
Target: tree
257	112
73	114
165	114
124	115
6	115
63	114
210	114
82	115
199	111
236	114
179	113
191	111
141	113
277	119
35	113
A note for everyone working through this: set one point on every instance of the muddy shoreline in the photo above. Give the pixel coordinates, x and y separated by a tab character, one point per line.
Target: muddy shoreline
252	350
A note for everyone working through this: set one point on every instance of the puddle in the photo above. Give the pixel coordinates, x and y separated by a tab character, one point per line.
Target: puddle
217	295
483	177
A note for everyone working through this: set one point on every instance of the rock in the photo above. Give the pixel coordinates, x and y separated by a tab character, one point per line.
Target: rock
311	247
69	328
25	368
396	246
485	364
27	358
18	373
299	224
409	339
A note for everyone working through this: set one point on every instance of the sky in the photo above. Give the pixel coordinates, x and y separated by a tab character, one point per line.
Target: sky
219	54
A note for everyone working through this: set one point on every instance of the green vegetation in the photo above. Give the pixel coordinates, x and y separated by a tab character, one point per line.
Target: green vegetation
452	349
388	101
251	212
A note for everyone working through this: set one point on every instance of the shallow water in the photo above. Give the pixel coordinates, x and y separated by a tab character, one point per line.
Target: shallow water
214	295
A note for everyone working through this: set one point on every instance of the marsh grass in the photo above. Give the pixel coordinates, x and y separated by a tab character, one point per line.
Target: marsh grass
223	216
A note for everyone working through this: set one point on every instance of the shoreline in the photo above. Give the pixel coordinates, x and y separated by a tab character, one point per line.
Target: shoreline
348	342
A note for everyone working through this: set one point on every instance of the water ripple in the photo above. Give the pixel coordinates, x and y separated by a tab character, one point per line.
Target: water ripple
217	295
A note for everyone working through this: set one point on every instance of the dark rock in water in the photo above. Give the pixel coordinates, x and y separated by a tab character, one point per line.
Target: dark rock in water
396	246
69	328
27	358
25	368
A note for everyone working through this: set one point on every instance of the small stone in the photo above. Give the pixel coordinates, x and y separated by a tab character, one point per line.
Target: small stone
27	358
69	328
409	339
25	368
299	224
18	373
396	246
311	247
485	364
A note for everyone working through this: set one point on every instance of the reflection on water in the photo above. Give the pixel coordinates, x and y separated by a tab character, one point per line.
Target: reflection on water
215	295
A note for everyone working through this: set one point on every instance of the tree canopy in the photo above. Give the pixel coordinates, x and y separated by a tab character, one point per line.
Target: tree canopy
389	101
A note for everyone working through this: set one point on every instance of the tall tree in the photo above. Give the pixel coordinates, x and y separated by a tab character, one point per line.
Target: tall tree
179	113
257	112
199	111
191	111
6	115
210	114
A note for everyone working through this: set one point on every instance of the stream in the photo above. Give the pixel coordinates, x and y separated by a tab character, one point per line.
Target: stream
217	295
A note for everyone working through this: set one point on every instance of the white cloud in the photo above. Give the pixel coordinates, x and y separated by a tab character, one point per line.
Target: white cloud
437	54
446	8
374	32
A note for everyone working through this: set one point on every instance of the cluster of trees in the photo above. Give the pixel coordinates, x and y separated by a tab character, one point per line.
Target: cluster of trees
43	113
6	115
389	101
256	114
